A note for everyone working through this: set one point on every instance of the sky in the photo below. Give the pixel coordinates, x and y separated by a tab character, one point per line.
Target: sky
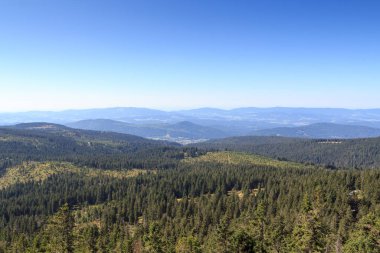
176	54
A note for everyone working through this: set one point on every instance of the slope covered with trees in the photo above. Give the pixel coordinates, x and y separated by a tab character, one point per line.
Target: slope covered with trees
351	153
46	142
217	202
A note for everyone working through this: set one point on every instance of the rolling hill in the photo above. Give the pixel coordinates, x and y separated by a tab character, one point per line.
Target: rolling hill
345	153
322	131
239	121
48	142
115	191
180	131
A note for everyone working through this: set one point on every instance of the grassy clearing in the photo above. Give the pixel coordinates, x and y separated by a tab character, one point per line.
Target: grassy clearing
240	194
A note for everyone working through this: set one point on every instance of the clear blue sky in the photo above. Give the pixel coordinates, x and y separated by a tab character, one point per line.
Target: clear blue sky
58	54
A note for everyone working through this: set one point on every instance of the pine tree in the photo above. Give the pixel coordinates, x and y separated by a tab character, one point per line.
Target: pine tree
153	240
278	235
222	235
242	242
60	231
189	244
258	224
309	234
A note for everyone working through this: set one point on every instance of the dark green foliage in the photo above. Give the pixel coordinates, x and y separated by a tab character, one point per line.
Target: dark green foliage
59	231
189	209
83	147
332	153
242	242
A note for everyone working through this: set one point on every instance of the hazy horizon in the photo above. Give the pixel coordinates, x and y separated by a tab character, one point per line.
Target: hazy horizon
185	108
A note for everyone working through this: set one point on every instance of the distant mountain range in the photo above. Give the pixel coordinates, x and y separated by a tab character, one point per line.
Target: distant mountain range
210	123
263	117
38	141
187	132
321	131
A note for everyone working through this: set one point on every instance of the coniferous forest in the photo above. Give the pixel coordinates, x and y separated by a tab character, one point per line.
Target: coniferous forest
65	190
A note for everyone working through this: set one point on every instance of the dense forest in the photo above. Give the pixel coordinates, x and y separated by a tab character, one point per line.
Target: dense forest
64	190
107	150
342	153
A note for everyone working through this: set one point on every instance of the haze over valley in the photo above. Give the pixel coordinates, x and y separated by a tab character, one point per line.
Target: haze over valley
188	126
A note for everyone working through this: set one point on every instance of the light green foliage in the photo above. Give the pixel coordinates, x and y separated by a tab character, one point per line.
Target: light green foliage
223	233
188	244
40	171
153	240
365	238
278	235
236	158
310	233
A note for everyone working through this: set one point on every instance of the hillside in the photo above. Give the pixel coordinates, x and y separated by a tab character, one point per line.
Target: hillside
321	131
46	141
248	202
351	153
238	158
179	132
114	192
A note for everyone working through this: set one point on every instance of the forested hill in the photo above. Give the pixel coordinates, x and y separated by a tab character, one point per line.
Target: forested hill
45	142
69	190
183	129
219	202
81	134
351	153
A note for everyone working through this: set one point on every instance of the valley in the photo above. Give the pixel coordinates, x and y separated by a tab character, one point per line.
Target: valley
196	125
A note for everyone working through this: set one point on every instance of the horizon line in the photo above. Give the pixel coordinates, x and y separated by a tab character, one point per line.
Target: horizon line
186	108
